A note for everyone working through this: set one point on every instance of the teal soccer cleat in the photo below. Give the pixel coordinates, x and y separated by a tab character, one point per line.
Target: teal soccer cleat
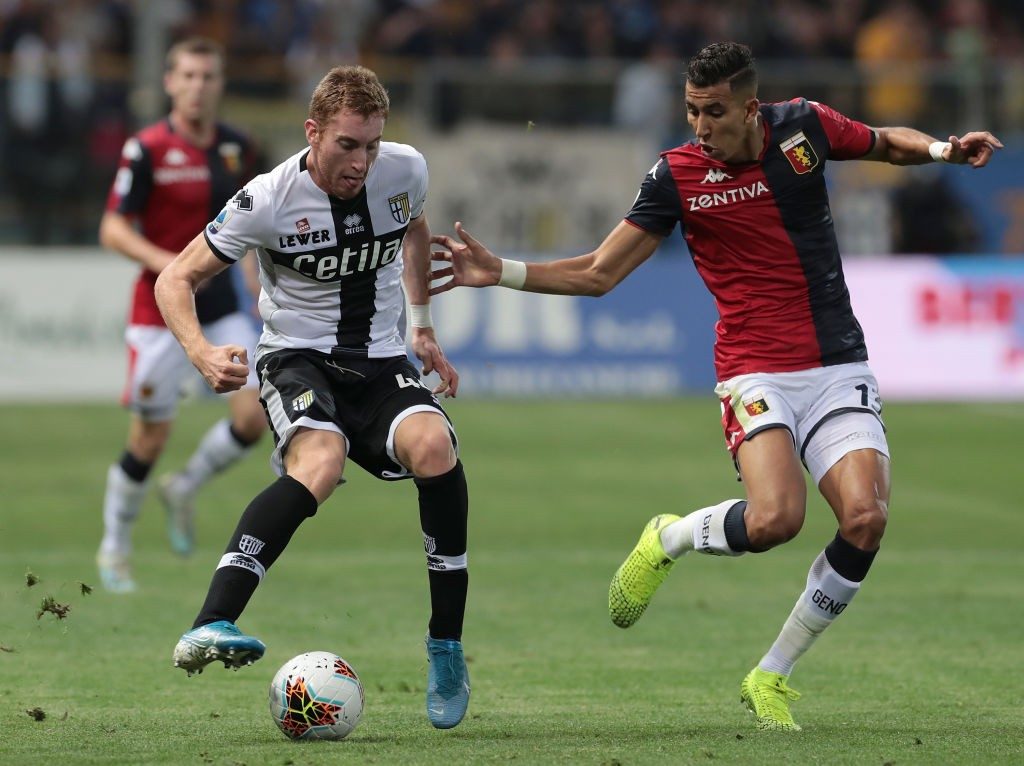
219	641
181	511
115	572
447	683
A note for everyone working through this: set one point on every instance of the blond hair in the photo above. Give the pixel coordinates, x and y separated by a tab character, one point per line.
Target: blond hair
350	88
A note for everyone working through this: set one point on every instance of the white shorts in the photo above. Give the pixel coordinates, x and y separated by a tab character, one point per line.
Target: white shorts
158	367
829	411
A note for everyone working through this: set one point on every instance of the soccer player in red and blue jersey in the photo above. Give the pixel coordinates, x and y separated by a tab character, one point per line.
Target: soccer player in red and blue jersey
173	177
749	195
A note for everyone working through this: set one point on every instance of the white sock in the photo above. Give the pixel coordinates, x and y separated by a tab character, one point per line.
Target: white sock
826	597
702	530
217	450
121	505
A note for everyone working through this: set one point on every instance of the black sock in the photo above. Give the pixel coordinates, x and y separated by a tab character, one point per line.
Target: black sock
262	533
134	468
848	560
735	529
444	511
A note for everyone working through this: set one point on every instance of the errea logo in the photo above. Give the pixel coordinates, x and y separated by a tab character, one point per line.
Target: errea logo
716	176
353	223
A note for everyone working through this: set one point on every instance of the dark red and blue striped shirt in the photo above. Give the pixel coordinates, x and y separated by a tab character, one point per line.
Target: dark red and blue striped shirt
762	238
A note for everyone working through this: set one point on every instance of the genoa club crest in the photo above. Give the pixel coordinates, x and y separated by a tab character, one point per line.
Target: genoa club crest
755	405
400	207
800	153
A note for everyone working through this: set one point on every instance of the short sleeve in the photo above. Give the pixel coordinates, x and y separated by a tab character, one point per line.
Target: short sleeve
420	196
242	224
657	207
848	139
133	181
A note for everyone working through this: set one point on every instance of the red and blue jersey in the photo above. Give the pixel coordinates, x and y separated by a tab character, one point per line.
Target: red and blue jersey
173	189
762	238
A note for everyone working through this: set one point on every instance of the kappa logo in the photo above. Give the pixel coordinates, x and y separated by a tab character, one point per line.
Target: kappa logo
251	545
302	402
352	223
175	156
716	176
800	153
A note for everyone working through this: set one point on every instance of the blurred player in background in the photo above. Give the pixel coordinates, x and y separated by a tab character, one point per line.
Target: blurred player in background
749	194
338	228
174	176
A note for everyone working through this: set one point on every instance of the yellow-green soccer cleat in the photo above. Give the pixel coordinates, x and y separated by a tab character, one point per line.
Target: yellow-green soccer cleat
644	569
767	696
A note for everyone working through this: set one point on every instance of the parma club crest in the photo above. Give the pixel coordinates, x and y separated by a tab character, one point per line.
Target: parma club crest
800	153
399	207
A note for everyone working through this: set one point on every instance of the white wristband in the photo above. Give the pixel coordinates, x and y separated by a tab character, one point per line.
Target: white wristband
419	316
513	274
936	148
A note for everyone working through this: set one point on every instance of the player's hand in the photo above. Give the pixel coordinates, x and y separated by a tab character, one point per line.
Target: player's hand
974	149
428	351
472	264
225	368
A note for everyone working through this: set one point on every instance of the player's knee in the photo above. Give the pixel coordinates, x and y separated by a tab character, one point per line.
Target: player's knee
250	425
147	441
432	454
864	522
771	524
318	464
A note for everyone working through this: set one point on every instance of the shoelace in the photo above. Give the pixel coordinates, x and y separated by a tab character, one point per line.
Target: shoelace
448	684
775	696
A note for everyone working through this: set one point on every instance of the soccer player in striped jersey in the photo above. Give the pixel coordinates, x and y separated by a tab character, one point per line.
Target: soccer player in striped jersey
339	229
749	195
173	176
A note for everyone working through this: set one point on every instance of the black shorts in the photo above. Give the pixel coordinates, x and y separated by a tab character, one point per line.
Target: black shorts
362	399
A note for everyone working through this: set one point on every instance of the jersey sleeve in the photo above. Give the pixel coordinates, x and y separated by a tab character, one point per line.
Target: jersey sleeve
848	139
243	224
419	198
133	181
657	207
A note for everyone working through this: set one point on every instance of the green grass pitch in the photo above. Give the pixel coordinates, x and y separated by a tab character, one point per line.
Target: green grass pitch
924	668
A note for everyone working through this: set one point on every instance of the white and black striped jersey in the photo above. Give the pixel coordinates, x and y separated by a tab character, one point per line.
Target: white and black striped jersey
330	269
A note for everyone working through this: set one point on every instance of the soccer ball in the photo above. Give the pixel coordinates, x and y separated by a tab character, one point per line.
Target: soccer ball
316	695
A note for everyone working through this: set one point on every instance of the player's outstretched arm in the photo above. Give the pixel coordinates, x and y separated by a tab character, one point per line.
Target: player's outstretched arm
471	264
416	281
906	146
225	368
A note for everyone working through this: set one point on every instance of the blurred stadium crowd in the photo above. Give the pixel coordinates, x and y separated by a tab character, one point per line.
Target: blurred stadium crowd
70	79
